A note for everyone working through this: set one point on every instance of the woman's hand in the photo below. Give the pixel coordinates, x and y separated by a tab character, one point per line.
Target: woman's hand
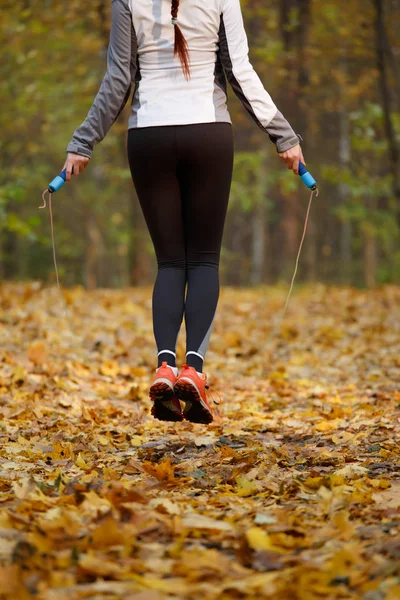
77	162
292	157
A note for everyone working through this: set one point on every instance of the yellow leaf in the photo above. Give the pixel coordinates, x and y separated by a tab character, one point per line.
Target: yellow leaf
19	374
278	375
314	482
11	581
389	498
5	520
394	592
258	540
37	352
110	368
177	586
23	487
59	519
136	440
166	506
196	521
342	437
343	523
103	440
351	471
106	534
62	451
94	504
245	487
232	339
99	566
381	484
164	470
326	426
336	480
80	462
41	542
6	550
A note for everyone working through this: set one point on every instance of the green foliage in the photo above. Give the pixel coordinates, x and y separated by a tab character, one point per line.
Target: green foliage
251	182
53	59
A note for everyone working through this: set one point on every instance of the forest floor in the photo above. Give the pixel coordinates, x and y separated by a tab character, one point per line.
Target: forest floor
293	492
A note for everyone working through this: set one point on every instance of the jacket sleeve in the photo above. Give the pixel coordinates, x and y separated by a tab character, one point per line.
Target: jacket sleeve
234	53
116	85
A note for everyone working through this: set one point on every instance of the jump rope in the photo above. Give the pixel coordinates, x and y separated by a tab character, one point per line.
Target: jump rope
59	181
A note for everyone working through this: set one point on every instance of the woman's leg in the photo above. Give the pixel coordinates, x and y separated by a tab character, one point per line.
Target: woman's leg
205	166
153	162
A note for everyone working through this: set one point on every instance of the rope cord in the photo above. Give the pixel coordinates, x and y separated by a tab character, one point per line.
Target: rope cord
55	259
296	267
299	252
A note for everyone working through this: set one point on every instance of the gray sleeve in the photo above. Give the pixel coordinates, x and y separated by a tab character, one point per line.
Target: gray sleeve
116	85
281	133
248	87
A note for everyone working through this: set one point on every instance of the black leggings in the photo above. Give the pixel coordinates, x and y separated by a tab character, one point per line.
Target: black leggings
182	175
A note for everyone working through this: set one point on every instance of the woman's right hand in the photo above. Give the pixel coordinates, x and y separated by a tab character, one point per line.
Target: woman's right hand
77	162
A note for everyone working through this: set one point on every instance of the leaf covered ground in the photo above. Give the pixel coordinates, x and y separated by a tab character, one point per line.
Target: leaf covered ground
293	492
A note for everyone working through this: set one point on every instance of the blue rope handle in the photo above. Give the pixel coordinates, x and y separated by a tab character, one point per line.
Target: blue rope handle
307	177
58	181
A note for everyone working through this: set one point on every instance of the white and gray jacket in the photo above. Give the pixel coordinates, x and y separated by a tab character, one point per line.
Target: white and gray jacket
140	55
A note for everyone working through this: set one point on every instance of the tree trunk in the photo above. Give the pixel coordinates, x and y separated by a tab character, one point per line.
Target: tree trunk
302	124
94	250
237	275
10	255
381	44
370	248
394	62
259	218
295	109
346	255
289	108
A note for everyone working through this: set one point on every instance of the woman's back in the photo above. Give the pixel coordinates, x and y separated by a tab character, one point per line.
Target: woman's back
198	19
162	94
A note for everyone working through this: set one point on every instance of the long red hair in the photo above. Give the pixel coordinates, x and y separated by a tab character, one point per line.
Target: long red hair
180	46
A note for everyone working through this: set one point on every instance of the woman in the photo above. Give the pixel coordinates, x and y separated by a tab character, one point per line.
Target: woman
180	150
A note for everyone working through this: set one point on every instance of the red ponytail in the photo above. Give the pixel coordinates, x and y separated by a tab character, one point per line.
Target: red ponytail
180	46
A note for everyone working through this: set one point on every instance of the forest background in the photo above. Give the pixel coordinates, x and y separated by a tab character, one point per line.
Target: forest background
332	68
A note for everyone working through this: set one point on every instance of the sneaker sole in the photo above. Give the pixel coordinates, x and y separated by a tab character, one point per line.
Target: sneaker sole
163	409
195	410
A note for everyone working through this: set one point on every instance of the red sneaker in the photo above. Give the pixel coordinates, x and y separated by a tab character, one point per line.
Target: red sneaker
190	388
166	406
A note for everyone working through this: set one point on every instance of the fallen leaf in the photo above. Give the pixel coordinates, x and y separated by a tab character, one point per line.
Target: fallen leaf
204	440
99	566
197	521
389	498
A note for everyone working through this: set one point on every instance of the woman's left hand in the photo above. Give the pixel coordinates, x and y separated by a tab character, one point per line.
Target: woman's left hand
75	164
292	157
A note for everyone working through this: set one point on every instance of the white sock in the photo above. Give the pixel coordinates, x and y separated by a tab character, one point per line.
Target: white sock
199	374
174	369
